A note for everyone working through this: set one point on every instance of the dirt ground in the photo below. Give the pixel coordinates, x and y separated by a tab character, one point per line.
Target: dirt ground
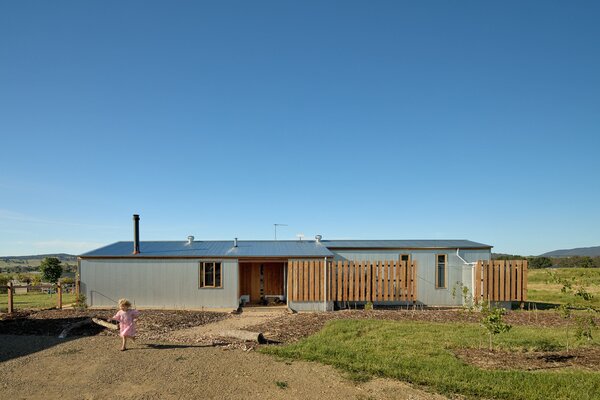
211	332
94	368
179	354
291	328
588	358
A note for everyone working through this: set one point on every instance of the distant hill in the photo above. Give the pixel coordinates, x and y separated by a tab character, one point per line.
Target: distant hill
17	264
60	256
580	251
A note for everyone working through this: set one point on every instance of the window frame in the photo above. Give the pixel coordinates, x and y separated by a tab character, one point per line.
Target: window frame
437	271
202	274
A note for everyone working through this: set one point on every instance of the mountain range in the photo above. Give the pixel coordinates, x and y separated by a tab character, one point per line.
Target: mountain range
580	251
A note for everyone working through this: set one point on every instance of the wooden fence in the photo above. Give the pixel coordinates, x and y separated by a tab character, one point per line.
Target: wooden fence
375	281
11	289
501	280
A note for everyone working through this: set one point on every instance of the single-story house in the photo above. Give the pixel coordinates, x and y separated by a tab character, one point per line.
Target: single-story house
304	274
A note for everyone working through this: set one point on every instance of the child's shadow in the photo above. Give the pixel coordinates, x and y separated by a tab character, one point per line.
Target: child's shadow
173	346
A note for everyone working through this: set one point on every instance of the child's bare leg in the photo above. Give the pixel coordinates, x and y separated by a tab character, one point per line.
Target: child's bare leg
124	342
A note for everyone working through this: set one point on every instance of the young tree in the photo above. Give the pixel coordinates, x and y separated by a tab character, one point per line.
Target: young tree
491	319
585	323
51	269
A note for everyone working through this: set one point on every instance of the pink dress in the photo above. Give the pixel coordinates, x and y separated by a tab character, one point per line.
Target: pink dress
126	322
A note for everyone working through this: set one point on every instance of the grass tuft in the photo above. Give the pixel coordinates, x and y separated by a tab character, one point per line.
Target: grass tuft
281	384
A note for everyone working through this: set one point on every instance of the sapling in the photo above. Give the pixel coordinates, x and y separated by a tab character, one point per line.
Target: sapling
491	319
80	302
565	311
585	323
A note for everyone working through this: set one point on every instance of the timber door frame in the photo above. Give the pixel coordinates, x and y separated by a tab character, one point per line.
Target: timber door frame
251	279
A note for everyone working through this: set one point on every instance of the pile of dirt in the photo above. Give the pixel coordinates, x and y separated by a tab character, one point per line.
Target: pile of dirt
153	324
588	358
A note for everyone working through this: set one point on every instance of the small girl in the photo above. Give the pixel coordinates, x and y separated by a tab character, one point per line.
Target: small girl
126	317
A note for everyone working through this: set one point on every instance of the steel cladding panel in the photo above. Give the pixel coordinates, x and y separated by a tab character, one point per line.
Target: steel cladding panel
458	273
156	283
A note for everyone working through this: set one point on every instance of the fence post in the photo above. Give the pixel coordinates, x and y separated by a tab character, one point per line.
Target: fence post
10	298
78	282
59	292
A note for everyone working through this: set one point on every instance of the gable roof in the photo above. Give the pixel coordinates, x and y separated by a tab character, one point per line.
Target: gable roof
269	248
220	248
404	244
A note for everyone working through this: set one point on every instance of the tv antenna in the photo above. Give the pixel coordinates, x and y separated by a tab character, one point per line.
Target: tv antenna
275	226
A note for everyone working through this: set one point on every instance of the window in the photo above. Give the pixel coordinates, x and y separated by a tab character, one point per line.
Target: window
405	258
210	274
440	271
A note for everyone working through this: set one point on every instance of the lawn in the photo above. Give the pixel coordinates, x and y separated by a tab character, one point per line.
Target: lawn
541	290
35	300
422	353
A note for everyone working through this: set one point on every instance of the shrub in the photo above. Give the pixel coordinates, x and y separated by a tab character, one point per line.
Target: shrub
80	302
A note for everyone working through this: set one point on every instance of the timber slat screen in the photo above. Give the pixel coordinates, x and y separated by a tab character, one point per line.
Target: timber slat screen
352	281
501	280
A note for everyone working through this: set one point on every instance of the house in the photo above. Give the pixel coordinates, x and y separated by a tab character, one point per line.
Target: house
307	275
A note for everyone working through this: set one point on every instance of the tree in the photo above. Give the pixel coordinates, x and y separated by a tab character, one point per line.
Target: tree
4	279
491	319
585	323
51	269
24	278
539	262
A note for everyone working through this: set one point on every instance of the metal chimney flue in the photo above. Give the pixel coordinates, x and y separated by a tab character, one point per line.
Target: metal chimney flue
136	234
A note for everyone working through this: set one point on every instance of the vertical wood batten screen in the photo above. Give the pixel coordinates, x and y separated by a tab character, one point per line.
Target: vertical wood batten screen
501	280
378	281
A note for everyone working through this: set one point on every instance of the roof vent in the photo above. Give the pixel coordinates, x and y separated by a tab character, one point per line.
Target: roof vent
235	242
190	239
318	238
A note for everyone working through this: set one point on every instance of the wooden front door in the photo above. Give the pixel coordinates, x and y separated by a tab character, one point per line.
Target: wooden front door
273	279
250	281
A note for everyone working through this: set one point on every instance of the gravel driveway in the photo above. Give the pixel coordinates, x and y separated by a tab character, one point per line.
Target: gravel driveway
94	368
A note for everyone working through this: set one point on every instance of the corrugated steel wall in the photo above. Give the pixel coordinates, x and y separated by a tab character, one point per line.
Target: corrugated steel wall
427	293
156	283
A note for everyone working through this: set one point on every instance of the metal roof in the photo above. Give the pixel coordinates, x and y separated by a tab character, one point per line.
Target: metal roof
403	244
268	248
223	248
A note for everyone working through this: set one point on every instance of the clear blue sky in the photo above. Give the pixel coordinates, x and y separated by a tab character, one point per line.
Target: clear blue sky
387	119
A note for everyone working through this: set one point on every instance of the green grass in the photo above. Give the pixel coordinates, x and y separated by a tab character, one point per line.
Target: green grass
35	300
540	290
420	353
281	384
